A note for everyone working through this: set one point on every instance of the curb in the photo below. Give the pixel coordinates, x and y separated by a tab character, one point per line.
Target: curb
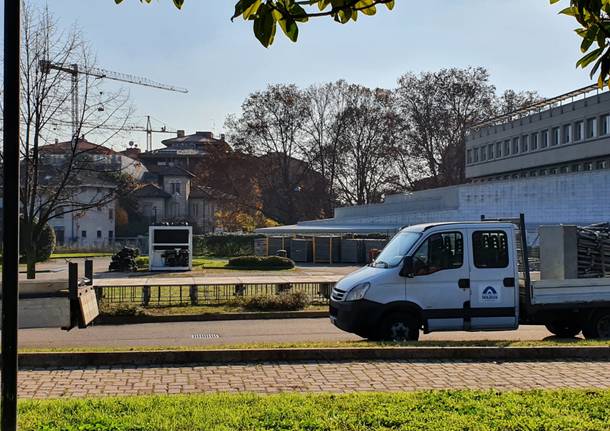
174	357
131	320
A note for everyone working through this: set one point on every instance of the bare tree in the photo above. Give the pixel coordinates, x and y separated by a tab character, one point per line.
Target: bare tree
511	101
271	126
323	128
53	176
367	165
439	108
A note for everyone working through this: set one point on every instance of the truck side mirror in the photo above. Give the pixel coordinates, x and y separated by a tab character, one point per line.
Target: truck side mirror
407	269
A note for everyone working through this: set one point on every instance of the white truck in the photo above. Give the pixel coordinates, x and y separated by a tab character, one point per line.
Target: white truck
465	277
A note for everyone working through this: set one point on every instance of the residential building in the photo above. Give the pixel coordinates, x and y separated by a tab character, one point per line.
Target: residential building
185	150
168	193
89	227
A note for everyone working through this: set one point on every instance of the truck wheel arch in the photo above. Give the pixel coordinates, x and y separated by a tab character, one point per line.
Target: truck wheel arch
590	327
402	307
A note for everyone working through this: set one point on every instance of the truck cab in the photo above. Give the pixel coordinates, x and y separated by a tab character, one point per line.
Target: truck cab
435	277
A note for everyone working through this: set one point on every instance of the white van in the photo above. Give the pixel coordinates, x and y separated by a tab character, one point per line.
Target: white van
462	276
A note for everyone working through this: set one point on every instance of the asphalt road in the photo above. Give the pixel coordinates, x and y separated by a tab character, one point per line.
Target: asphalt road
230	332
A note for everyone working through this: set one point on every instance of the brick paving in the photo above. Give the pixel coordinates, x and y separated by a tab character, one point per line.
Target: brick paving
265	378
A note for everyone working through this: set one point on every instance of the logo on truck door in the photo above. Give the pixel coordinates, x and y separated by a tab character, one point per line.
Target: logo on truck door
490	294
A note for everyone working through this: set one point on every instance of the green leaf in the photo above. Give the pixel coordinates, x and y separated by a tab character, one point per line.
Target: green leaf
589	58
588	39
290	29
264	25
245	8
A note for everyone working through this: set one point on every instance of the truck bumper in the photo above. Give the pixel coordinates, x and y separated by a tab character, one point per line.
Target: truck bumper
358	317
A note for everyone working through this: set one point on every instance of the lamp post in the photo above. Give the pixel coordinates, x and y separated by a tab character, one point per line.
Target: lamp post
10	267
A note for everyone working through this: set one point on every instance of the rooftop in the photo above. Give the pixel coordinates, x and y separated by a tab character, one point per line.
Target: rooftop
150	191
82	146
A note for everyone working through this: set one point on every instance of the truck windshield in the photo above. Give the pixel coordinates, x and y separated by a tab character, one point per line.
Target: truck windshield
396	249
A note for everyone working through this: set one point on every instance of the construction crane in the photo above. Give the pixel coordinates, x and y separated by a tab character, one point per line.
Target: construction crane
74	70
148	129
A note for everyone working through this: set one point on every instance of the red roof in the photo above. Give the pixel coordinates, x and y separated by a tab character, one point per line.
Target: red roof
83	146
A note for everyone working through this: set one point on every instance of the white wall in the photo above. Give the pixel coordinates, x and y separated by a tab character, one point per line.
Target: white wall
91	221
579	198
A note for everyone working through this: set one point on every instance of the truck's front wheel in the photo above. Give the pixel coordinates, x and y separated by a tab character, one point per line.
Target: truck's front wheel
564	329
398	327
598	326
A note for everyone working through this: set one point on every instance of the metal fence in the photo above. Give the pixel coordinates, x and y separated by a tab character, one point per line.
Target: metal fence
216	294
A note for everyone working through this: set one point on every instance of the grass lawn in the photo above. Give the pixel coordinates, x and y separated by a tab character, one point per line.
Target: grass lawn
430	410
204	309
333	344
209	263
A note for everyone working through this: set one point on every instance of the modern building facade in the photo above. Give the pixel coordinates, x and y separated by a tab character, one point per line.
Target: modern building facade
565	134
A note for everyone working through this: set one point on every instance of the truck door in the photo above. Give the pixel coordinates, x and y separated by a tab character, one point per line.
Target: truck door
439	285
493	280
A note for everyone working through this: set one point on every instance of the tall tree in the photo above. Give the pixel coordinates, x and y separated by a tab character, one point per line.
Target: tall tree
439	107
51	180
367	145
323	128
511	101
271	127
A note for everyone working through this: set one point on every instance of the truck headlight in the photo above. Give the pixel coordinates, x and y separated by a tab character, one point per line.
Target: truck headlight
357	292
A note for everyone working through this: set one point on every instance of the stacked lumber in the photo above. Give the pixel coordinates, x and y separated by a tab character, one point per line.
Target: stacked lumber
594	251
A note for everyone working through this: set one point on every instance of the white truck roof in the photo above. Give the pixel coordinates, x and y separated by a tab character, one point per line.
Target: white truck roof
459	225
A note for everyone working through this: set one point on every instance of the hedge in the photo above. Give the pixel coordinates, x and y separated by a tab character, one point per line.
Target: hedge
262	262
224	245
293	301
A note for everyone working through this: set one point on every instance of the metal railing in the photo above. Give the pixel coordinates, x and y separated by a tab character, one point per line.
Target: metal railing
214	294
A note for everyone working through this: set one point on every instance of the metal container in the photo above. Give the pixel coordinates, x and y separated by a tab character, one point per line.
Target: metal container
260	246
277	243
301	250
327	249
352	251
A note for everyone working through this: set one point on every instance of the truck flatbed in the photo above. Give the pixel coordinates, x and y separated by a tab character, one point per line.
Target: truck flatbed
572	291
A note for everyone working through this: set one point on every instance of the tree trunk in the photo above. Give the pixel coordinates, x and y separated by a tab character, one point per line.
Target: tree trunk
30	258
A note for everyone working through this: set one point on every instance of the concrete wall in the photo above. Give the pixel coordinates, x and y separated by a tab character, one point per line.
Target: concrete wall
578	198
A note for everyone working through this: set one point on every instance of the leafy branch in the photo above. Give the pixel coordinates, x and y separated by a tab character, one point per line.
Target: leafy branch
594	19
268	14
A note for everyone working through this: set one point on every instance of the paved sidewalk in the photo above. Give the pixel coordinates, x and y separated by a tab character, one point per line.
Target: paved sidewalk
379	376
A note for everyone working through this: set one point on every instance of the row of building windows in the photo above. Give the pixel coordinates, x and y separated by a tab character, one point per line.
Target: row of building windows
566	134
99	234
562	169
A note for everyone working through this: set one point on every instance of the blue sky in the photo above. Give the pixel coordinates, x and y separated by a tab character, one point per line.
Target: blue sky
523	43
